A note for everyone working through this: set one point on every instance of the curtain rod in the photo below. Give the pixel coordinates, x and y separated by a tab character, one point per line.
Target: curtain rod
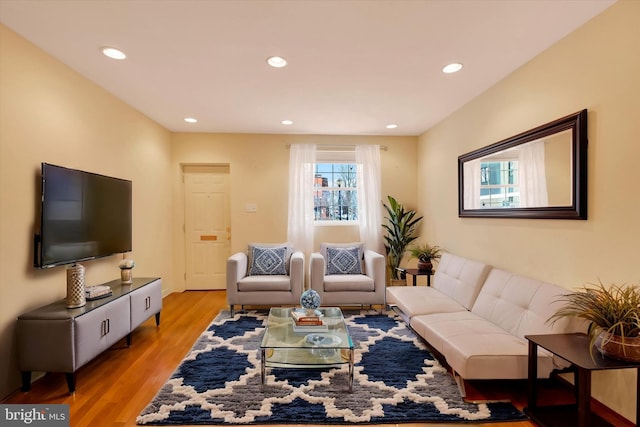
338	148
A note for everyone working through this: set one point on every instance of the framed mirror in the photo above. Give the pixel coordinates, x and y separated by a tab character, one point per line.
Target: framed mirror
540	173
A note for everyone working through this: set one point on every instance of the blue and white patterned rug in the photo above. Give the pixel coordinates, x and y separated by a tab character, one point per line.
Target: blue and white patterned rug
397	380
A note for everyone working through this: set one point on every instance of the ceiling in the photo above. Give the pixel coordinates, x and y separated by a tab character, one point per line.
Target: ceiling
354	66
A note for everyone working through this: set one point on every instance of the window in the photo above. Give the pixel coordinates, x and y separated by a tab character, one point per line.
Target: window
499	186
335	197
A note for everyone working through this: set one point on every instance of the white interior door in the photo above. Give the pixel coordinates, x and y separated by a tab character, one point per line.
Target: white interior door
207	226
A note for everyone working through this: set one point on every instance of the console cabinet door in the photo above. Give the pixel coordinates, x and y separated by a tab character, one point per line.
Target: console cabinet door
145	302
90	337
118	320
100	328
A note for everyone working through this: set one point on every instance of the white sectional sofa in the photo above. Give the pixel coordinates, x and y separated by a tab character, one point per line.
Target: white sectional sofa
477	317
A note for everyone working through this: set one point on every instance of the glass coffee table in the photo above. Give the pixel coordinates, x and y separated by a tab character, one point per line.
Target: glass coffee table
282	347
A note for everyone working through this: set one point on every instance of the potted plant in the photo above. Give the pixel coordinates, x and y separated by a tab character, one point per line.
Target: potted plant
400	226
613	314
425	254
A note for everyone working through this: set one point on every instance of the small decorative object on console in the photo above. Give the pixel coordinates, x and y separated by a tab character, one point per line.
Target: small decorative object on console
97	291
126	265
75	286
310	299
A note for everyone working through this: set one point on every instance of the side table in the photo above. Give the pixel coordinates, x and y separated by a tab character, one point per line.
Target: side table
574	348
415	273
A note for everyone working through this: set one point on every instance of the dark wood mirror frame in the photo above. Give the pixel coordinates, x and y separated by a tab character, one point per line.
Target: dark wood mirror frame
577	123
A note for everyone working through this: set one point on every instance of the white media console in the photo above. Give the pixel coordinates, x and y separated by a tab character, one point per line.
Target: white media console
54	338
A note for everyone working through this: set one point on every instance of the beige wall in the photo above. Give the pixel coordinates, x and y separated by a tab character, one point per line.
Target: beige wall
49	113
597	68
259	171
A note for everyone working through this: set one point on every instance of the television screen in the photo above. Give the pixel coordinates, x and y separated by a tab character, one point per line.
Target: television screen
84	216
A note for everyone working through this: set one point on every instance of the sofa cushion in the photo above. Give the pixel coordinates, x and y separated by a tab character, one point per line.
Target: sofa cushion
347	283
265	283
413	301
521	305
477	348
460	278
437	328
456	285
268	261
344	261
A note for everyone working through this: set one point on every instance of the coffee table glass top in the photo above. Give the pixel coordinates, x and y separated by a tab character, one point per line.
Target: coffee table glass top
284	346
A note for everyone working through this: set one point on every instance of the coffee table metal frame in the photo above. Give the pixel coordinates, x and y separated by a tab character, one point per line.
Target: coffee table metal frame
281	346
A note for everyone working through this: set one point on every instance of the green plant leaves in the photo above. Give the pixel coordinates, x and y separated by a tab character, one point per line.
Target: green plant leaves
400	228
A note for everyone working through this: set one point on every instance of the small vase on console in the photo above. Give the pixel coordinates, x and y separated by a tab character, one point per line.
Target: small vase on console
126	271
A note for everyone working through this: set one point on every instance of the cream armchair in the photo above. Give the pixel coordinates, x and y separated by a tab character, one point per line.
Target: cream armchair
267	275
340	279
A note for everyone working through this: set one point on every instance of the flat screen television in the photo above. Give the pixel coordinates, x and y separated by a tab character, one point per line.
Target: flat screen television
84	216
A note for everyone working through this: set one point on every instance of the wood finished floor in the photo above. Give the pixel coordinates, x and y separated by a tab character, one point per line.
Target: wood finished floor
113	388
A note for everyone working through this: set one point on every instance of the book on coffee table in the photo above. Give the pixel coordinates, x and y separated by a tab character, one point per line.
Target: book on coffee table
306	316
306	328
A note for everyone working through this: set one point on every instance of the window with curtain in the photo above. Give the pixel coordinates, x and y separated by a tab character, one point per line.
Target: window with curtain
335	194
514	178
331	186
499	186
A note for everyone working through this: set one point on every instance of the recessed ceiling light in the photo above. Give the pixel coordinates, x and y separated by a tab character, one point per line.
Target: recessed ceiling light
113	53
276	61
286	122
452	68
190	120
392	126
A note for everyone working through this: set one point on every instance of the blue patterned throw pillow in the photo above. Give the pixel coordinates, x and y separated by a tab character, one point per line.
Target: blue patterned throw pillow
343	261
268	261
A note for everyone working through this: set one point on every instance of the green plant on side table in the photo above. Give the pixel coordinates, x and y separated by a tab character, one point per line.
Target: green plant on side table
613	313
401	227
425	254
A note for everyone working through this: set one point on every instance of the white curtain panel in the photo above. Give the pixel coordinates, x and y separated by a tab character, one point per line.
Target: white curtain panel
369	196
533	178
471	174
302	158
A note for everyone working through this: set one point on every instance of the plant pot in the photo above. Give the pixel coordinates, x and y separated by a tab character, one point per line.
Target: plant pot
615	347
425	265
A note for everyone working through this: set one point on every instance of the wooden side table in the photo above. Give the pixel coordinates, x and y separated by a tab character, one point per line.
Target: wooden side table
415	273
574	348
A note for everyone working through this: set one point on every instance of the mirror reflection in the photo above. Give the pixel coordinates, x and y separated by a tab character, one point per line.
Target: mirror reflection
534	174
541	173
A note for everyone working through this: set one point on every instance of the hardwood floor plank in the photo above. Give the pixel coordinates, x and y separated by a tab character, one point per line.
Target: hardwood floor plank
113	388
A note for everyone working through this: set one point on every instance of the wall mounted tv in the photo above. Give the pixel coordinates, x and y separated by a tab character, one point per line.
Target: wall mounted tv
84	216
